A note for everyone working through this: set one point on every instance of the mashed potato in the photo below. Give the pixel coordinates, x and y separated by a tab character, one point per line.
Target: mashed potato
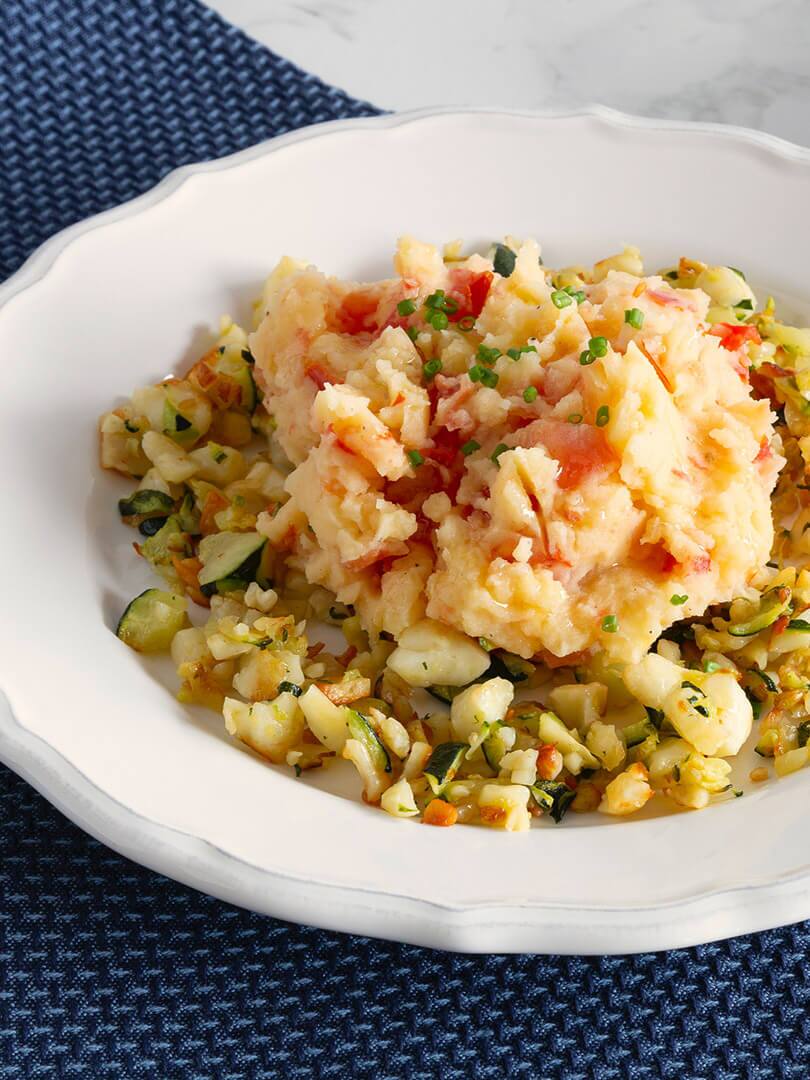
556	462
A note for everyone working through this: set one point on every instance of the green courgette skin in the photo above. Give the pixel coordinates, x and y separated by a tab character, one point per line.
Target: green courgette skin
361	730
444	763
151	620
553	797
772	606
146	502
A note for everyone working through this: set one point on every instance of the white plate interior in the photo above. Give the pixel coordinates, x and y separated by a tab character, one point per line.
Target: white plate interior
131	298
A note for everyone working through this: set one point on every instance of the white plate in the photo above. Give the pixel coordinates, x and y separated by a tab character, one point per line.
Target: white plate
123	299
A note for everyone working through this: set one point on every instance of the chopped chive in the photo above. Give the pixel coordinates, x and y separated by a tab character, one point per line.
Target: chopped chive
475	372
489	378
574	293
561	299
530	394
504	260
487	355
738	272
415	458
575	418
406	307
515	354
678	600
450	306
431	368
610	624
634	317
435	300
598	346
496	453
747	305
586	358
438	320
466	323
602	415
470	447
412	333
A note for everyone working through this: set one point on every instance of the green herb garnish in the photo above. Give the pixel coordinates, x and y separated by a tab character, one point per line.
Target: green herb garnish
634	317
530	394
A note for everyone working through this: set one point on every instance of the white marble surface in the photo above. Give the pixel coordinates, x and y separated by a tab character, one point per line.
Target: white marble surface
735	61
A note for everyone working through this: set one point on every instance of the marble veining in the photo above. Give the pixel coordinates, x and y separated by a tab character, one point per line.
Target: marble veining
746	62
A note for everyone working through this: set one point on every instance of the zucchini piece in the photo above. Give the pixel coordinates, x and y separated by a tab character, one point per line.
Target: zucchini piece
285	687
553	797
444	763
772	605
146	503
767	743
445	693
509	666
225	555
151	620
151	525
188	515
634	734
361	729
552	730
233	361
493	748
655	716
178	427
169	540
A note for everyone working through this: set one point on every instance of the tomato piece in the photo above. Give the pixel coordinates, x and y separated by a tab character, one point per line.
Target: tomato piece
469	289
580	449
734	337
765	451
357	312
319	375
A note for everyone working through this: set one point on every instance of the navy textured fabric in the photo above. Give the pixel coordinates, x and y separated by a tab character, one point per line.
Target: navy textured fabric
108	970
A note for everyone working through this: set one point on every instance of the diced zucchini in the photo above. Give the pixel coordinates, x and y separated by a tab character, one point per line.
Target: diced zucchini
151	526
509	666
228	555
493	748
553	797
444	763
634	734
188	515
445	693
361	730
772	605
169	540
178	427
552	730
151	620
146	503
767	743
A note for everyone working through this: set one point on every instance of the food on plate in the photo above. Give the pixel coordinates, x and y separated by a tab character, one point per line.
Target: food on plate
538	503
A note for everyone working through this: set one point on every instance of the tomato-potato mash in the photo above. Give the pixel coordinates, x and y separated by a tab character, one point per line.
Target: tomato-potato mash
554	461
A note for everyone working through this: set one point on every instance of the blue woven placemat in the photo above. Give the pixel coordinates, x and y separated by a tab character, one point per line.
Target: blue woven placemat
108	970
